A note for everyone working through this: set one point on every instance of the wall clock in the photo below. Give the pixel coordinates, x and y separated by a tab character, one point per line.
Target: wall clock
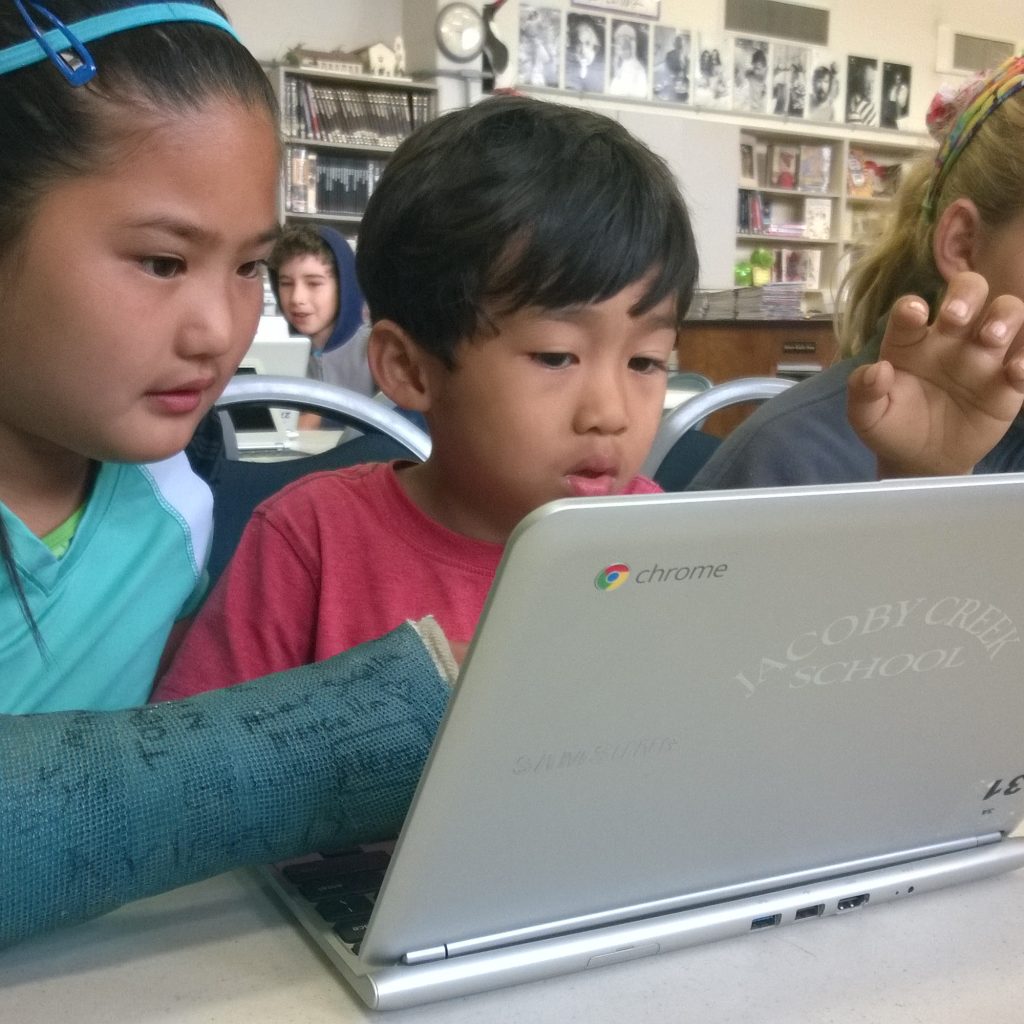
460	32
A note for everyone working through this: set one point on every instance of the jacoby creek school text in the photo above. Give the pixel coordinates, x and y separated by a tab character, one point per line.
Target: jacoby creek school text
990	628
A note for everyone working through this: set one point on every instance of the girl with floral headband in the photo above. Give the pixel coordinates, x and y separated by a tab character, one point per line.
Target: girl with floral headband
941	392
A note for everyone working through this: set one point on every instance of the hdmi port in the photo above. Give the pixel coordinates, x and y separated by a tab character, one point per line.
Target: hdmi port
851	902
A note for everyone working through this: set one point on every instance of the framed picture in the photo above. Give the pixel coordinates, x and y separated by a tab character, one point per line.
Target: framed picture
629	59
540	45
634	8
671	73
586	46
895	105
750	74
748	161
862	91
826	88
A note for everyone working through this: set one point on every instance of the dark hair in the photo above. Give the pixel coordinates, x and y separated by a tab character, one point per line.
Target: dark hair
300	240
518	202
51	131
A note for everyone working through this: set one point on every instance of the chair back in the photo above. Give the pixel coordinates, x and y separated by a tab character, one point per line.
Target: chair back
239	486
680	448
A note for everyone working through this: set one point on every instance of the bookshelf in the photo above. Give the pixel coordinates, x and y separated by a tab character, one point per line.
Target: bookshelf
872	175
796	200
338	132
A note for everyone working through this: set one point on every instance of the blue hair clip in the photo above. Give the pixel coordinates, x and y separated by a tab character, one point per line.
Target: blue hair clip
80	68
78	73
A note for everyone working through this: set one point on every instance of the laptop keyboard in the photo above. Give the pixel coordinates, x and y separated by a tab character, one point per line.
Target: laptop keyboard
340	887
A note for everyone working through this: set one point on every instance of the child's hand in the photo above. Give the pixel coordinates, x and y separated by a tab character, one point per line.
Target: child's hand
942	395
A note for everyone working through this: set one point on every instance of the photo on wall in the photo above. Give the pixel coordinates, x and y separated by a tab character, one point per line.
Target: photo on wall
895	107
540	45
825	87
862	91
586	48
751	59
628	73
789	79
671	76
712	73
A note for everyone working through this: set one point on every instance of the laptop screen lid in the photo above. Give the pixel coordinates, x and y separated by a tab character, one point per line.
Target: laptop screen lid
673	698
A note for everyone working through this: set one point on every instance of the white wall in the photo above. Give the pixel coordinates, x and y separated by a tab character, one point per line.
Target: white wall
903	31
271	27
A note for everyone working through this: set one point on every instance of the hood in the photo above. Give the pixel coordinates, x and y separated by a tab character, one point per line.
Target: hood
350	297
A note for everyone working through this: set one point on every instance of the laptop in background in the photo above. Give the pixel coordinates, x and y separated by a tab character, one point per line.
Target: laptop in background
690	716
262	429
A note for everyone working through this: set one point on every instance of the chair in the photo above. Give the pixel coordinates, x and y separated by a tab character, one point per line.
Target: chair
338	403
239	486
682	386
680	448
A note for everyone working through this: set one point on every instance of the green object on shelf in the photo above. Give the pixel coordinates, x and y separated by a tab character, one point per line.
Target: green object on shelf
743	274
761	262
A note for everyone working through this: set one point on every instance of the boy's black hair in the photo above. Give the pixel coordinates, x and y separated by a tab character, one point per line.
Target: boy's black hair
518	202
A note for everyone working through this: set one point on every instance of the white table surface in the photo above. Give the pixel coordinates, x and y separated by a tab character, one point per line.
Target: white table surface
223	951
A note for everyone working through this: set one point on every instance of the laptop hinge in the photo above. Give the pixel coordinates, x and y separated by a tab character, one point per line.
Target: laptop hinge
425	956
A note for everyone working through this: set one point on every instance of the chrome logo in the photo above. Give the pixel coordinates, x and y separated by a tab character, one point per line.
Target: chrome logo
612	577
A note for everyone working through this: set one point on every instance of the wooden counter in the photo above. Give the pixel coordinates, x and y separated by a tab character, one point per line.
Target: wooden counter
725	350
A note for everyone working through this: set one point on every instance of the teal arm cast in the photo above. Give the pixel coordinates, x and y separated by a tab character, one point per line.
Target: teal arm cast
101	807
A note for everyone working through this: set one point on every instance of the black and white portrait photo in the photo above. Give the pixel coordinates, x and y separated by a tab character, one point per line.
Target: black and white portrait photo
750	75
825	87
540	45
895	104
627	69
712	71
789	79
862	90
585	52
671	75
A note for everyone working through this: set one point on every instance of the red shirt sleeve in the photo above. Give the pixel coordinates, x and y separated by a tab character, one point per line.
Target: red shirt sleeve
260	617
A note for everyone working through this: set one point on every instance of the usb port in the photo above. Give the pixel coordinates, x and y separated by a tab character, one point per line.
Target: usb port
850	902
768	921
804	912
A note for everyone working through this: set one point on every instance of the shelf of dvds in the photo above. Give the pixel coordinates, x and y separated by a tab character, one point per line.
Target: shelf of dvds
873	173
811	199
338	132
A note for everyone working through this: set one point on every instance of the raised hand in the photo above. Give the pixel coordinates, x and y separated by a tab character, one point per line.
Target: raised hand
942	394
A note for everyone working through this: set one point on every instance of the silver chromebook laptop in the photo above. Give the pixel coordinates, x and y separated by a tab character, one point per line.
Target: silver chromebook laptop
692	716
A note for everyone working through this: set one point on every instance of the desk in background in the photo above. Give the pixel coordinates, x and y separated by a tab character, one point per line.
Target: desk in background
726	349
223	952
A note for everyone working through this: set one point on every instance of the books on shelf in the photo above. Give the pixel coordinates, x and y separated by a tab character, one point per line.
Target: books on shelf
797	266
859	177
748	161
300	180
327	111
815	172
753	212
817	218
885	178
783	166
777	301
329	183
771	302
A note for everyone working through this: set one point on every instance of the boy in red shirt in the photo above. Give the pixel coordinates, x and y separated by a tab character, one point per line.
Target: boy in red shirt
527	267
